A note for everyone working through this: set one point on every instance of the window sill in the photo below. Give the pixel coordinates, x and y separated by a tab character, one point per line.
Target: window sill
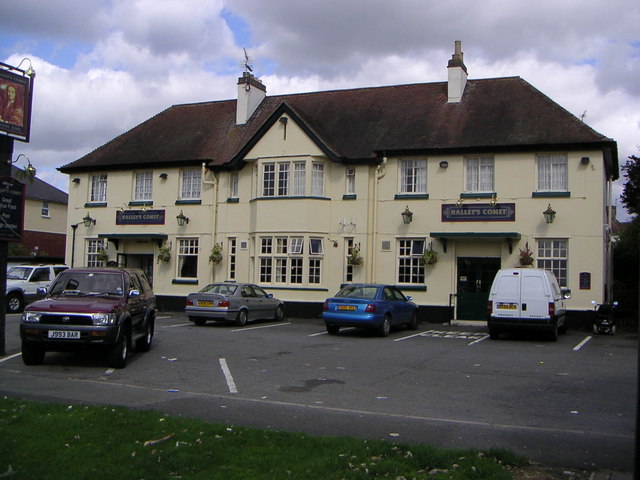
188	202
301	197
349	197
412	288
478	195
550	194
233	200
411	196
141	203
184	281
95	204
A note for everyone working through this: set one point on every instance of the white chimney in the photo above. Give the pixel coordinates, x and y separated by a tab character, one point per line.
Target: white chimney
457	73
251	92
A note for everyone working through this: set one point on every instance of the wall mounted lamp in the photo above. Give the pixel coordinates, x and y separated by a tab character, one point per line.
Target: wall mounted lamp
87	221
459	201
163	176
584	160
30	72
494	200
182	219
29	171
444	164
407	215
76	180
549	214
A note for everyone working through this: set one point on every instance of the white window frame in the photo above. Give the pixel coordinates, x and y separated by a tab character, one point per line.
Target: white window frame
191	183
94	246
289	178
479	174
411	270
553	254
188	248
143	186
413	177
98	191
234	180
317	179
282	260
350	178
553	172
46	209
316	246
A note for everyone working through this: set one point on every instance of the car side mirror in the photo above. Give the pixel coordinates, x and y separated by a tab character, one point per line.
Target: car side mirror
566	293
409	298
134	293
42	291
269	295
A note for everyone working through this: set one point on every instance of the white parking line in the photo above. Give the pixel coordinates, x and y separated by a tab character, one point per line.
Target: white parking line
327	333
10	357
244	329
227	375
178	325
582	344
478	340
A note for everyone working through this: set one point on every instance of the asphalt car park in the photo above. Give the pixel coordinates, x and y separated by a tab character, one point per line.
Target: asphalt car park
569	402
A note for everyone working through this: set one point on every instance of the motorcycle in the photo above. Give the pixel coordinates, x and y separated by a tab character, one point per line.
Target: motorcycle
604	321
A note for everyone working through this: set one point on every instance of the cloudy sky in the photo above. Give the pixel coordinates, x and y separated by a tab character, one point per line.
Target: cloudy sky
104	66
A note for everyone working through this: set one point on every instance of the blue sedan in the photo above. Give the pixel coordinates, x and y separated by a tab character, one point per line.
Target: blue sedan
372	306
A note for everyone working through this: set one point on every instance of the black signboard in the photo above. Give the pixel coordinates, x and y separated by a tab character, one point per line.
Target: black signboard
11	209
140	217
479	212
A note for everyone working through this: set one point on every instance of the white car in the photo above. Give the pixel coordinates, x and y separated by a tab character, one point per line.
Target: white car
23	282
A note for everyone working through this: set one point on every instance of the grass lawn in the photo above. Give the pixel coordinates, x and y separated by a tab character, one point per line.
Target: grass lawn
41	441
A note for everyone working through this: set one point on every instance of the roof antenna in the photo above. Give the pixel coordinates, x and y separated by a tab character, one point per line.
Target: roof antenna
246	64
582	117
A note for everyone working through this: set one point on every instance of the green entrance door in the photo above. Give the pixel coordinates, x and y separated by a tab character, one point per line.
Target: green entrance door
475	275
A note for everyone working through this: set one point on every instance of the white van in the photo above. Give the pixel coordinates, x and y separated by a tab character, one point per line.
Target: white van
527	298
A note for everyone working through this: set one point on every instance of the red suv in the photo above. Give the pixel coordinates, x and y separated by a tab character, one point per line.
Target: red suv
91	307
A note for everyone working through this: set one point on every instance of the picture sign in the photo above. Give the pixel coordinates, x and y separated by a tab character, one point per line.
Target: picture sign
479	212
11	209
16	93
140	217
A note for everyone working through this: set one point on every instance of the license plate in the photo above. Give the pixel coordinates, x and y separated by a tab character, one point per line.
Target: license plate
64	334
205	303
507	306
349	308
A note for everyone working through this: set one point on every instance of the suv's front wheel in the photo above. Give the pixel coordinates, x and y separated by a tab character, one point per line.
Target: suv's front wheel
117	353
32	353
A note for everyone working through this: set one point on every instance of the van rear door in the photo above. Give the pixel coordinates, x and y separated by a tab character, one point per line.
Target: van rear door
506	304
535	295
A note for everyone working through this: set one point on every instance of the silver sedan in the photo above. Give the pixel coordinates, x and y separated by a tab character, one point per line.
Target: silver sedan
235	302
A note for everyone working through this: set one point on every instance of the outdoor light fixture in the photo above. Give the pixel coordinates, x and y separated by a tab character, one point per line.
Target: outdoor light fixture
29	171
163	176
76	180
444	164
182	219
459	202
407	215
30	72
494	200
584	160
549	214
88	221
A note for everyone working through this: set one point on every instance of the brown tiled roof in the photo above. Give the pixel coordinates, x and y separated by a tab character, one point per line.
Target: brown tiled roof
501	114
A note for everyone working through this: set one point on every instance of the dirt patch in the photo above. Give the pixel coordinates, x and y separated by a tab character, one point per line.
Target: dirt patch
545	472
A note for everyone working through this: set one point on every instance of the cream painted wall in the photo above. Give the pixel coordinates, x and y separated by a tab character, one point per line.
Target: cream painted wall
371	217
54	223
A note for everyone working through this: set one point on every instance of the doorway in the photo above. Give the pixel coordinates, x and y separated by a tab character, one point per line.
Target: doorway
142	261
475	276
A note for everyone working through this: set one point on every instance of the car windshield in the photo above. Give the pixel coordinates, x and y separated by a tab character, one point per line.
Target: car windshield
358	291
220	288
19	273
79	283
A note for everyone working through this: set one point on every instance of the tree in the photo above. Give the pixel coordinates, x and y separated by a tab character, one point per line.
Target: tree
631	193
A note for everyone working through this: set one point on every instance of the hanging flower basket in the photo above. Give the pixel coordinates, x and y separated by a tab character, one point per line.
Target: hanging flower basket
216	254
526	256
429	257
164	254
102	256
354	256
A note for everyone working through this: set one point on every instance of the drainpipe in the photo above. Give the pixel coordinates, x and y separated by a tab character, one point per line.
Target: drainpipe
381	171
214	183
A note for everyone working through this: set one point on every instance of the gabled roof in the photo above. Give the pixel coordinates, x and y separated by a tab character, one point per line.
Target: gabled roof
501	114
40	190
